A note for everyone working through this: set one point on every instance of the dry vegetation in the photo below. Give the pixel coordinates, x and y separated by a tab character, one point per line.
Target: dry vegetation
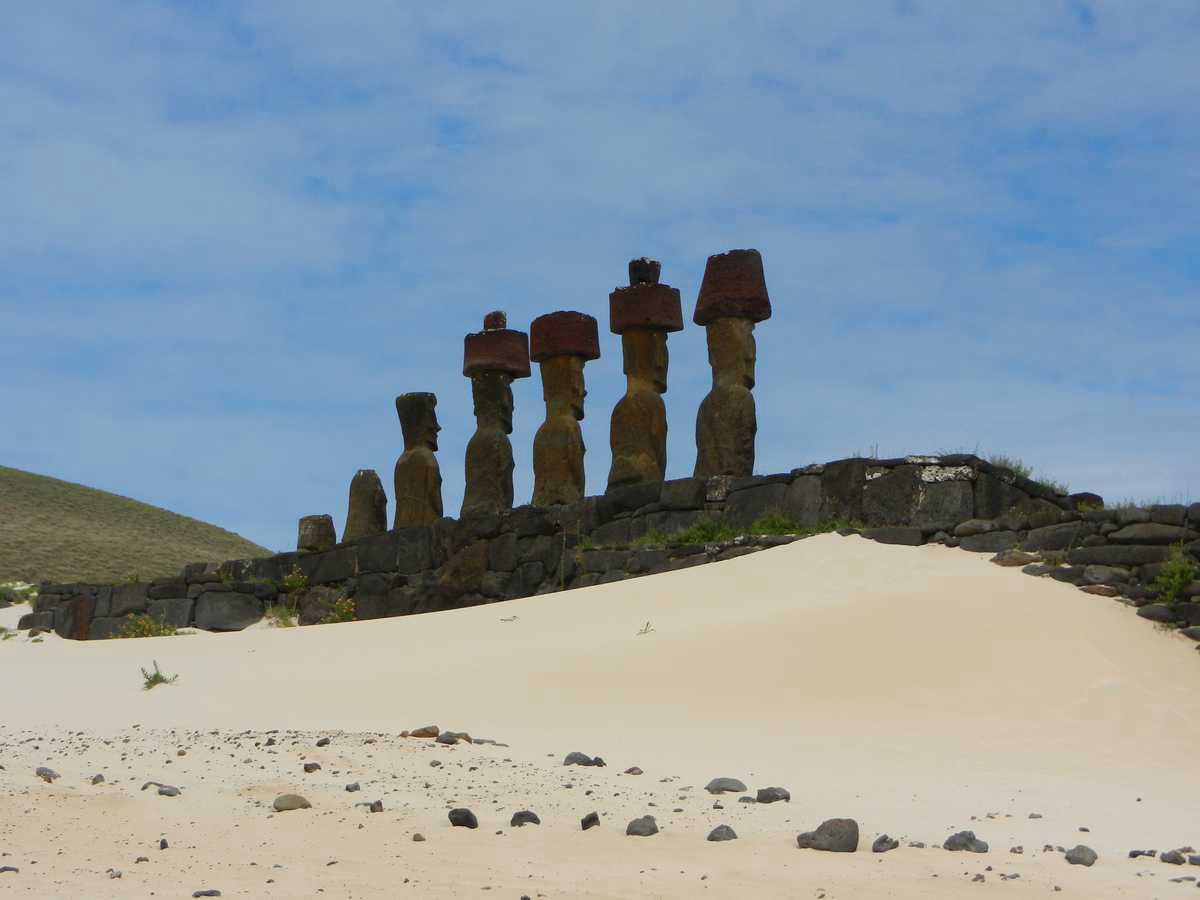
57	531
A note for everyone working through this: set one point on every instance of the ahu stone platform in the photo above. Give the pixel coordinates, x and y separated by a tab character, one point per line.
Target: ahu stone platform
958	500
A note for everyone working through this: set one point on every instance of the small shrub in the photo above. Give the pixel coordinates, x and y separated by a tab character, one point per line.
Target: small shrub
646	629
1054	557
155	678
281	615
652	538
705	531
6	634
147	626
775	522
342	610
294	580
1177	573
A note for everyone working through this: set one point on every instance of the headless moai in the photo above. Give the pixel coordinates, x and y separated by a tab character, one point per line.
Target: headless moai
418	479
367	513
315	534
733	297
560	343
642	314
492	358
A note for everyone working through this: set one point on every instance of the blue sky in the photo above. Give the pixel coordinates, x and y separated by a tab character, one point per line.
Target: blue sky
231	233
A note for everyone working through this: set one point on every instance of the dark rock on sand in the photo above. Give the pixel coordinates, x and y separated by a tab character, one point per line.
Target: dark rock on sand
591	820
722	833
883	844
834	835
1080	855
642	827
725	785
463	818
524	817
965	840
773	794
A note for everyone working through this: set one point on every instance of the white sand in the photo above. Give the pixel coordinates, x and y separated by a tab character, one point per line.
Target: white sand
917	690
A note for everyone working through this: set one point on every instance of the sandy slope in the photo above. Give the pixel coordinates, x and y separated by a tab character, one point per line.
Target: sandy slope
918	690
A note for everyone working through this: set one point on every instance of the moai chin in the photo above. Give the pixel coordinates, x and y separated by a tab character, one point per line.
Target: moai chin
733	297
560	343
418	479
367	512
642	314
492	358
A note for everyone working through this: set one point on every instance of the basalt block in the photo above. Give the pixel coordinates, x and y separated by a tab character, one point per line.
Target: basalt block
315	534
367	514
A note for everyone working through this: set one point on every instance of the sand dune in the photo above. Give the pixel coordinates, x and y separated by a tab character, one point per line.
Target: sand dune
917	690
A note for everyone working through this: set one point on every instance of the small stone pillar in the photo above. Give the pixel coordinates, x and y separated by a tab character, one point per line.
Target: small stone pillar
642	314
367	513
316	534
560	343
492	358
418	479
733	297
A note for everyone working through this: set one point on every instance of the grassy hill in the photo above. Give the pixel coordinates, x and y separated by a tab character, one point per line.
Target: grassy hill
53	530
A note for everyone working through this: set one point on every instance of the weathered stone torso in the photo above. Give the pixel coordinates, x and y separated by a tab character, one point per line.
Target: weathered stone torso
418	484
489	471
638	438
725	430
558	461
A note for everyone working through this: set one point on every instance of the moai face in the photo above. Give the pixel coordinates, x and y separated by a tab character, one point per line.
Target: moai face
562	386
646	357
418	420
492	393
732	351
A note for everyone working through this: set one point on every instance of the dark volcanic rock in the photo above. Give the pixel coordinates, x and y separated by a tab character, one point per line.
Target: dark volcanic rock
463	818
591	820
834	835
992	542
1157	612
1172	857
1080	855
722	833
1010	558
1117	555
725	785
226	611
773	794
286	802
1151	533
908	537
965	840
524	817
575	758
642	827
883	844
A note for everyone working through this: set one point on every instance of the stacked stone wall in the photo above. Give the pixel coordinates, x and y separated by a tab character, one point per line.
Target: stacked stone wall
957	500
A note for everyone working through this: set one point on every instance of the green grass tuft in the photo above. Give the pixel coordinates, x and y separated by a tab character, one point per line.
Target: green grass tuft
155	678
1178	572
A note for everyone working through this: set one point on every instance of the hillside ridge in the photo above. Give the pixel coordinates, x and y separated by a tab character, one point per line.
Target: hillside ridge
56	530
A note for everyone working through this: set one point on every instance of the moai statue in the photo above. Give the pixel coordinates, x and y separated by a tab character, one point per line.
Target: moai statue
492	358
315	534
642	314
733	296
560	343
367	514
418	479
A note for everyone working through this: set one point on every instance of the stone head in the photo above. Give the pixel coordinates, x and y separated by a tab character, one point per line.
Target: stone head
492	393
418	420
563	386
646	356
732	351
